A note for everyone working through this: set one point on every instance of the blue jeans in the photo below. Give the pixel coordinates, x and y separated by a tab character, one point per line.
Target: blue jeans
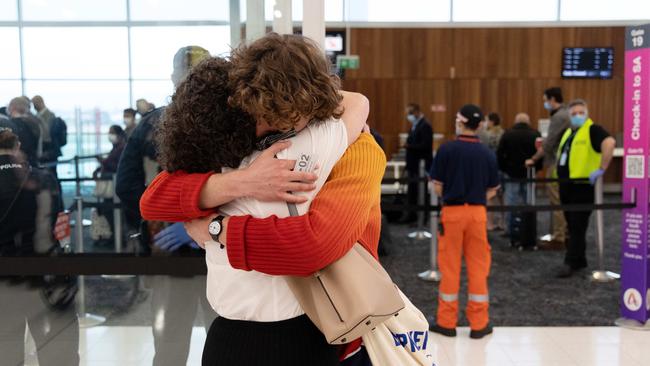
514	194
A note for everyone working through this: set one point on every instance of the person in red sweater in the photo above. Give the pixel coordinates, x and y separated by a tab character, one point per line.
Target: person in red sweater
164	197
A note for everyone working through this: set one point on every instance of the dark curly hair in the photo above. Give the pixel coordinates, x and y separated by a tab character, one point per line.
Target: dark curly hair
199	131
281	78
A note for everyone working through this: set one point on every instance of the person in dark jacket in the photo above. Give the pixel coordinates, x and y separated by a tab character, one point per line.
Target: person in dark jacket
55	333
516	146
108	165
25	127
419	147
176	299
17	198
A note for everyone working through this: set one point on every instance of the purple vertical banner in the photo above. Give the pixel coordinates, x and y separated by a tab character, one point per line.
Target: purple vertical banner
635	272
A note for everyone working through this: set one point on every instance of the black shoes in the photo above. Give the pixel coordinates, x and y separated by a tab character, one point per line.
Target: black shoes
447	332
567	271
451	332
478	334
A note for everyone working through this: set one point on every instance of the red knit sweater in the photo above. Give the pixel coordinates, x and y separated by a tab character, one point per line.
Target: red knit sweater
346	210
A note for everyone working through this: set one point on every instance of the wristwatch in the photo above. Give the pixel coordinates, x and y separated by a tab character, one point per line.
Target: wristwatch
215	227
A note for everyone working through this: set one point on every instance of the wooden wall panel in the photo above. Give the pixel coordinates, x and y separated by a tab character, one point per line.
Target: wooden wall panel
502	70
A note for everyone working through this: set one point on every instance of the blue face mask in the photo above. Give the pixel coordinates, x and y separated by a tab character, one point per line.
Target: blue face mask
548	106
411	118
578	120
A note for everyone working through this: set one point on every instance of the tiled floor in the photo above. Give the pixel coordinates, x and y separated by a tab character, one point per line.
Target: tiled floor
508	346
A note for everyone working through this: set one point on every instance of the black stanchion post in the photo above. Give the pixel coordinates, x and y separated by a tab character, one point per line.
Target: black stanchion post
420	233
528	230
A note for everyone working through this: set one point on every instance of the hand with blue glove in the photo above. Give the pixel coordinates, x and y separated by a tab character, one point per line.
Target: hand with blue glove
593	177
173	237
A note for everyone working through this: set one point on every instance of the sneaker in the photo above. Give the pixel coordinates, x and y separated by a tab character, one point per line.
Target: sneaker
447	332
567	271
478	334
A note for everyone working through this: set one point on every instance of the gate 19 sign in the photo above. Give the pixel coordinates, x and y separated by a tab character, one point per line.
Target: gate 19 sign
635	276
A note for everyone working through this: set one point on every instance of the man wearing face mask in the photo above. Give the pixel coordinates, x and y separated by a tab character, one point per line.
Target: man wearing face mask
419	146
585	151
129	121
559	113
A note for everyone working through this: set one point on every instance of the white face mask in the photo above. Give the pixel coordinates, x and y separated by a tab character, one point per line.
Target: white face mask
459	130
113	138
129	121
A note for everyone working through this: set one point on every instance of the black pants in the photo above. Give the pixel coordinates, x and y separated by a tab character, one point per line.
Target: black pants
293	342
577	222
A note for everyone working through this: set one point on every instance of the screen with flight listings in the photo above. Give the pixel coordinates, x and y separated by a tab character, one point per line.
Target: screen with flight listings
582	62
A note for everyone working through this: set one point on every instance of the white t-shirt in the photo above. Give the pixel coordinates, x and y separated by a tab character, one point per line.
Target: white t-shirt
254	296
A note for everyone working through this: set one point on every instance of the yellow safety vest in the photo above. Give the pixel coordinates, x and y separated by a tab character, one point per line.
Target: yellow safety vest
583	159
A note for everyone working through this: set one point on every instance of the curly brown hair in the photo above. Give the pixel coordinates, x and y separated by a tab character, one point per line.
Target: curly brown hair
281	78
199	131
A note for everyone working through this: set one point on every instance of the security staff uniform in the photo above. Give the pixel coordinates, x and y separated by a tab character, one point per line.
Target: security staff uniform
578	155
466	169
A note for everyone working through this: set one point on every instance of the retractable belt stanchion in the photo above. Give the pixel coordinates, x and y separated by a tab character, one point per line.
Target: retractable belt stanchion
117	234
117	219
528	228
433	274
420	233
86	320
601	275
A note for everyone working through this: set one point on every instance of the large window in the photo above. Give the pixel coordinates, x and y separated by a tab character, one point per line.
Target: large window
504	10
604	10
180	10
8	10
10	59
153	48
75	53
398	11
74	10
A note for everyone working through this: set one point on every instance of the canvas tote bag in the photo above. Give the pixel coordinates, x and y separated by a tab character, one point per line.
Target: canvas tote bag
401	340
349	297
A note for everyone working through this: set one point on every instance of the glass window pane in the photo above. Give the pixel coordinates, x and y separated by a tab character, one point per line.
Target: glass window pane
9	89
157	92
73	10
604	9
10	60
153	48
8	10
99	105
63	96
333	10
180	10
406	11
76	53
504	10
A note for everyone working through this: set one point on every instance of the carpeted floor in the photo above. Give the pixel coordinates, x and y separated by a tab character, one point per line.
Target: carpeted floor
523	290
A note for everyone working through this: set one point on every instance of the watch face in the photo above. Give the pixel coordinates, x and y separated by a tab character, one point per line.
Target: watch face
214	228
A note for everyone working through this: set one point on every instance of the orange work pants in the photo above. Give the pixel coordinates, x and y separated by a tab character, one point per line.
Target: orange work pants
463	234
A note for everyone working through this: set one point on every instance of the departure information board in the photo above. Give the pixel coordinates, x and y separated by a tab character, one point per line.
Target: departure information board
582	62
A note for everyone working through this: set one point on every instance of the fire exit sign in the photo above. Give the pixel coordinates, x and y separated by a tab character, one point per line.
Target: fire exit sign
347	62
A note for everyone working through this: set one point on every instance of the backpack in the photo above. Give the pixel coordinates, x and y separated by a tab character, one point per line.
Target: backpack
59	132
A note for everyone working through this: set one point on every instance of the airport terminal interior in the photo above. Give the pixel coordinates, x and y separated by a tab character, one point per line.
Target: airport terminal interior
502	180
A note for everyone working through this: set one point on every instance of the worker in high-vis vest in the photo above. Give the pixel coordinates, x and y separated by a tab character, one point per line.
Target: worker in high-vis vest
465	174
585	151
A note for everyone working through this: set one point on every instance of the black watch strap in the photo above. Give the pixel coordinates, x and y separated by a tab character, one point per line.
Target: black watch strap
215	235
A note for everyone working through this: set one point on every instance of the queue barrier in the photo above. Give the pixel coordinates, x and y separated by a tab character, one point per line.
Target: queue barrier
599	275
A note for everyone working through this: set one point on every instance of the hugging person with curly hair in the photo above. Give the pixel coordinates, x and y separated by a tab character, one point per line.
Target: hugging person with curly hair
279	87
